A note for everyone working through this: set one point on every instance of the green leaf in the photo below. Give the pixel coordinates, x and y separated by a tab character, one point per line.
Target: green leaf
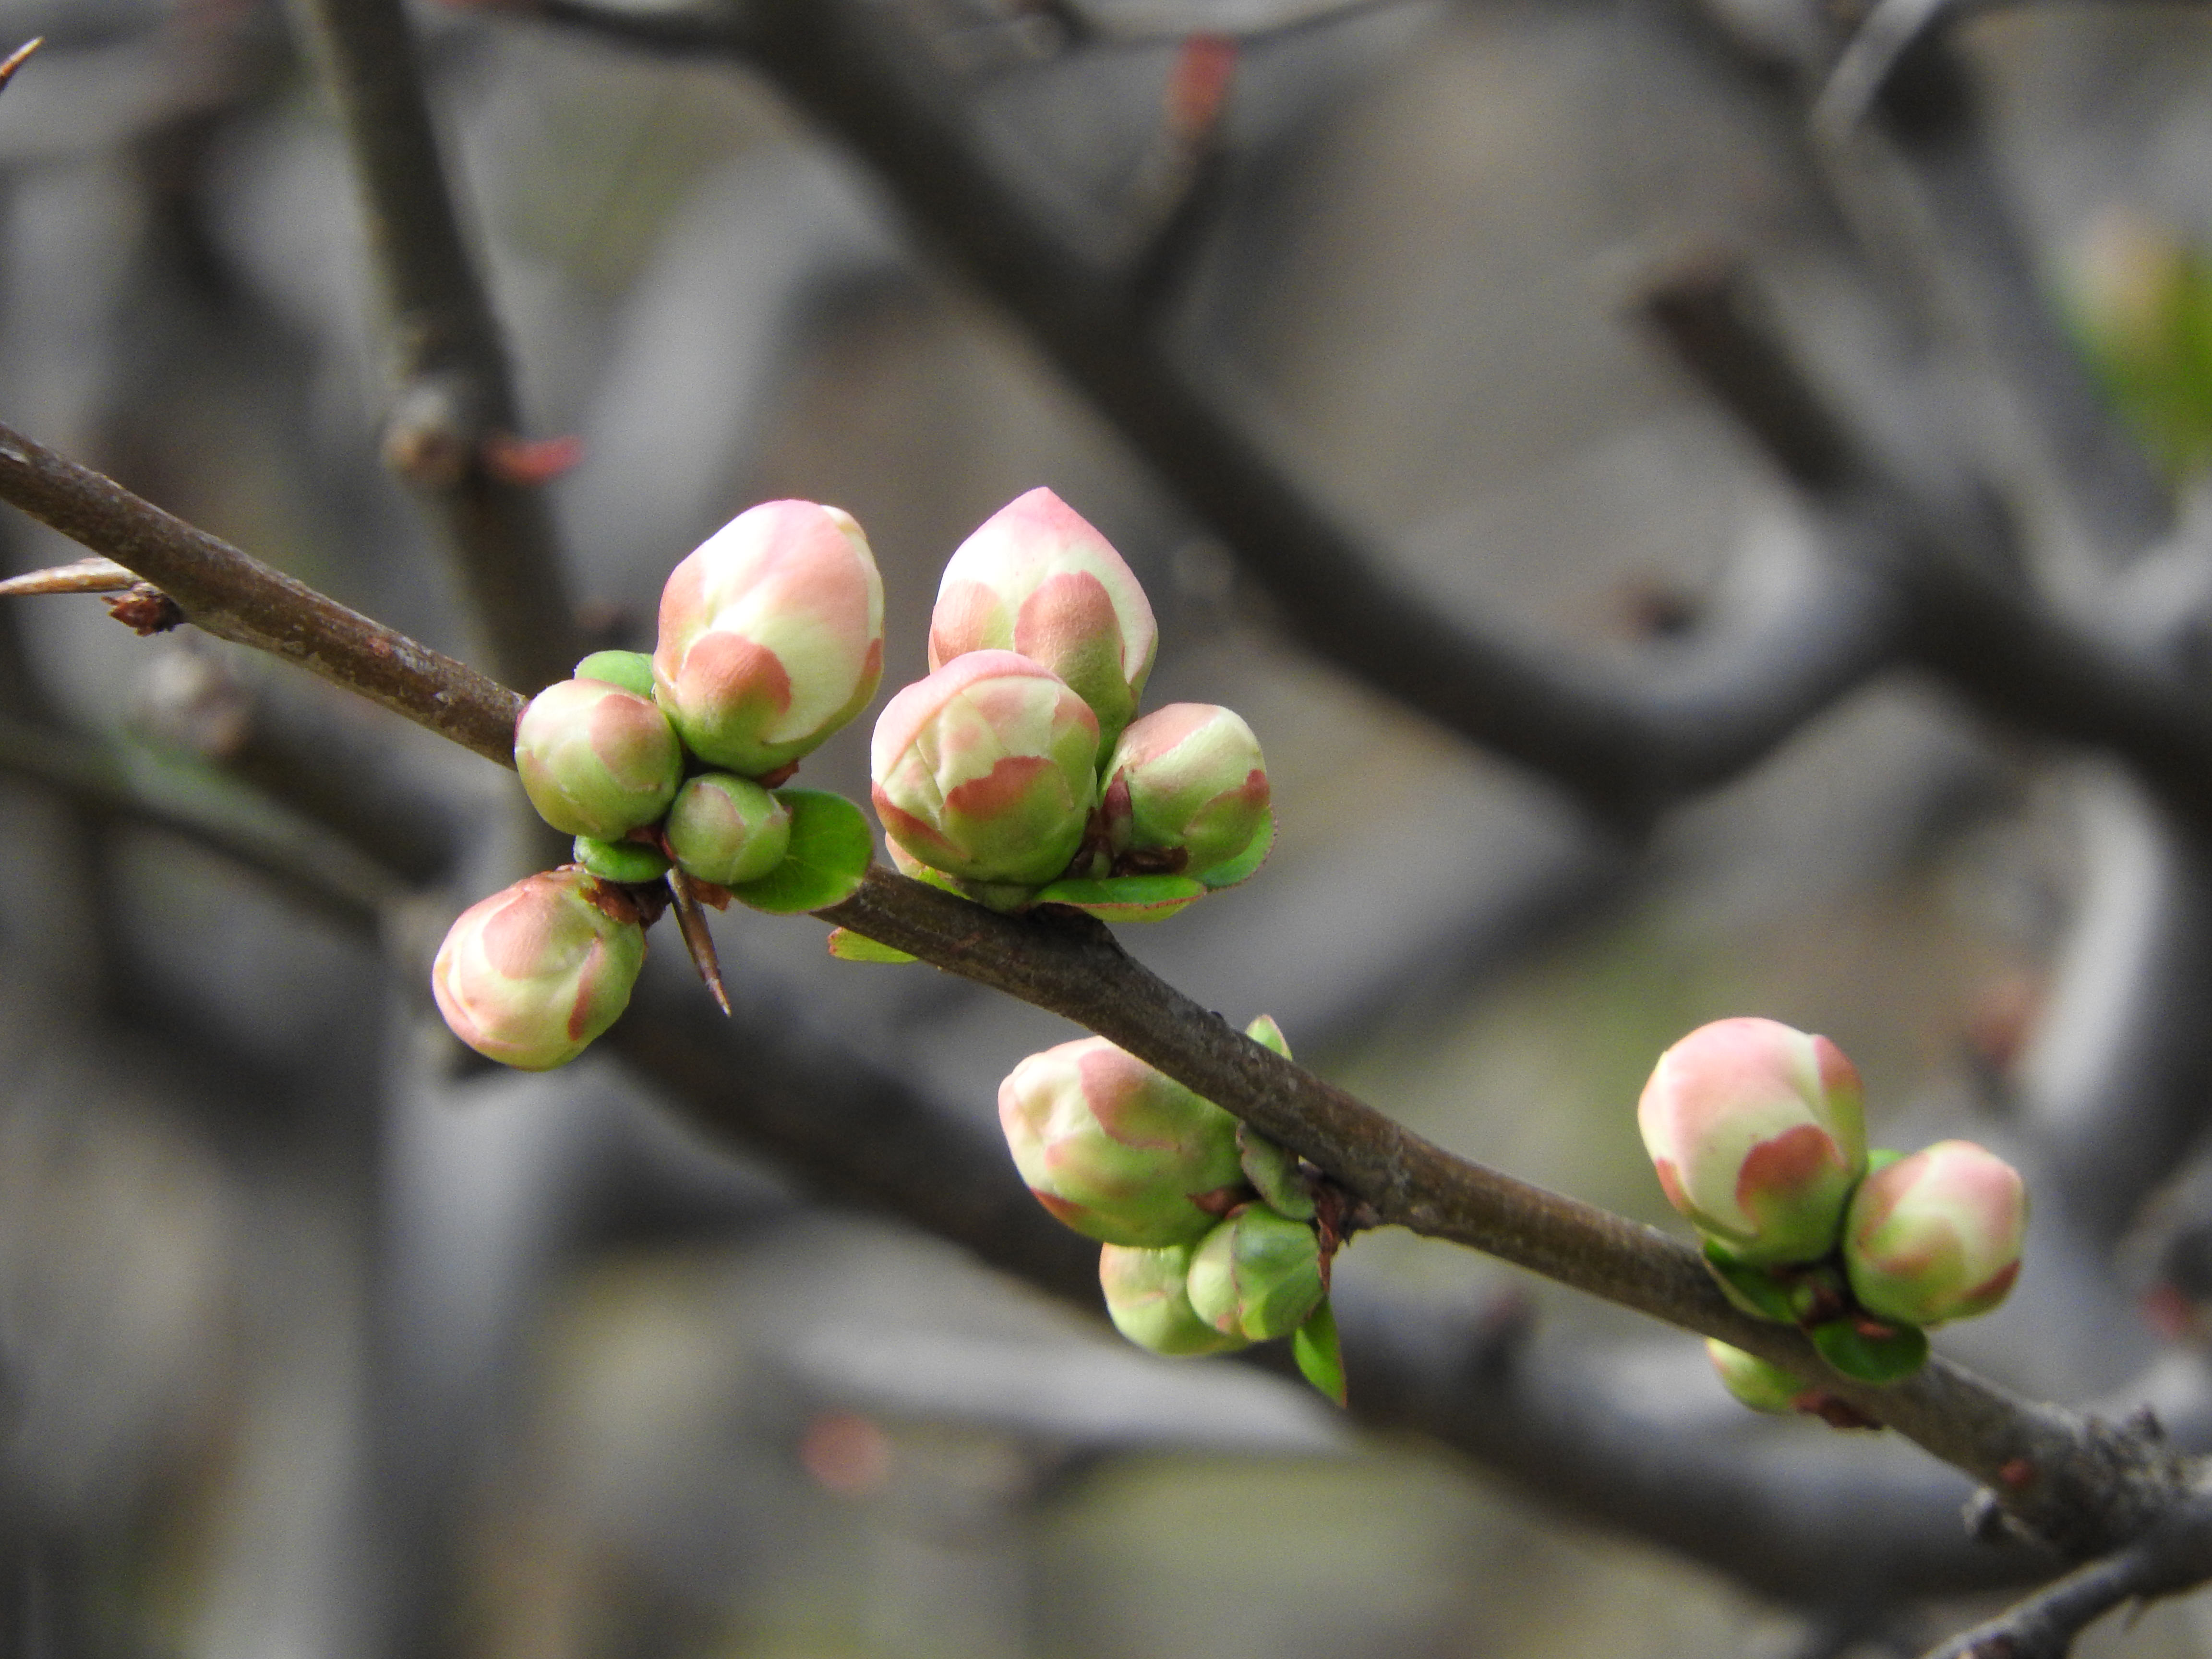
1229	872
1125	898
630	670
620	860
1750	1289
1871	1352
830	851
1319	1354
1274	1172
846	946
1264	1031
1881	1157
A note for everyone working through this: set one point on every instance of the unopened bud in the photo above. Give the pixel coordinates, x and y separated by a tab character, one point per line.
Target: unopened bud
595	760
726	828
630	670
771	635
531	975
1758	1385
1116	1150
1936	1235
1149	1300
1757	1134
1256	1275
1195	781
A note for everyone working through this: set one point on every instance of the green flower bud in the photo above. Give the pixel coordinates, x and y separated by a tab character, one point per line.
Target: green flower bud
1936	1235
1257	1274
531	975
595	760
985	769
1187	776
630	862
728	829
771	636
1115	1149
630	670
1149	1304
1761	1386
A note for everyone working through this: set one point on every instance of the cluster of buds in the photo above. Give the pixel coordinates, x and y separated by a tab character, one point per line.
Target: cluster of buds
1019	772
1757	1134
1209	1232
666	769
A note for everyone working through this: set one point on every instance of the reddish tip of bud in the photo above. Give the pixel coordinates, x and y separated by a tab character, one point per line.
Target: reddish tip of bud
517	460
2015	1472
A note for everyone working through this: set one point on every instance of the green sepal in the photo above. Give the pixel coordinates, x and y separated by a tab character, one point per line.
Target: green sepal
1314	1345
846	946
1750	1289
620	860
1229	872
1274	1172
831	850
1886	1358
630	670
1124	898
1264	1031
1881	1157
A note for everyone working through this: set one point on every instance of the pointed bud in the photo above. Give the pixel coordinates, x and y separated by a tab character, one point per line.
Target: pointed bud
1039	580
1194	780
1149	1303
1761	1386
1757	1134
771	635
985	770
1936	1235
727	830
531	975
595	760
1116	1150
1257	1275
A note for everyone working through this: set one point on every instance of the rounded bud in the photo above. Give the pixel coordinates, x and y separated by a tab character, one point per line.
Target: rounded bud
1194	780
1758	1385
1115	1149
627	861
726	828
1936	1235
1257	1275
1150	1302
531	975
1037	579
1757	1134
771	635
987	769
595	760
630	670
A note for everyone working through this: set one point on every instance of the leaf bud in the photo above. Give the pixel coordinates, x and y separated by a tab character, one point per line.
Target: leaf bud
1116	1150
1759	1384
727	829
595	760
985	770
1257	1274
771	636
1757	1134
531	975
1150	1302
626	862
1195	781
1936	1235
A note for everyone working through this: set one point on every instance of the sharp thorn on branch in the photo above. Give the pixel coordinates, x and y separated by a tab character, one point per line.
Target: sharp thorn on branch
15	59
86	576
691	923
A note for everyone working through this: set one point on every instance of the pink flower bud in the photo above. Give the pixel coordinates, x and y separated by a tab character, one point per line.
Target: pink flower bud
1149	1303
595	760
1757	1134
1115	1149
771	635
1037	579
1758	1385
1936	1235
531	975
985	770
1194	780
1257	1275
727	829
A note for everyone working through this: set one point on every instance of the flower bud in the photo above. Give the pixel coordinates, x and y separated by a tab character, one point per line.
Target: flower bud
630	670
1037	579
726	828
626	862
531	975
1758	1385
985	770
1256	1275
1149	1303
771	635
1194	780
1936	1235
595	760
1115	1149
1756	1132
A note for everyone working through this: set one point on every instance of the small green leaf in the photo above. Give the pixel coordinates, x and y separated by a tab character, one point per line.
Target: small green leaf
630	670
830	851
1319	1354
1274	1172
1125	898
620	860
1881	1157
1750	1289
1229	872
1264	1031
1872	1353
846	946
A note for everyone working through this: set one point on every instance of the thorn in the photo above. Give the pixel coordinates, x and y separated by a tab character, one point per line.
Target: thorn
85	576
691	922
15	59
518	460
